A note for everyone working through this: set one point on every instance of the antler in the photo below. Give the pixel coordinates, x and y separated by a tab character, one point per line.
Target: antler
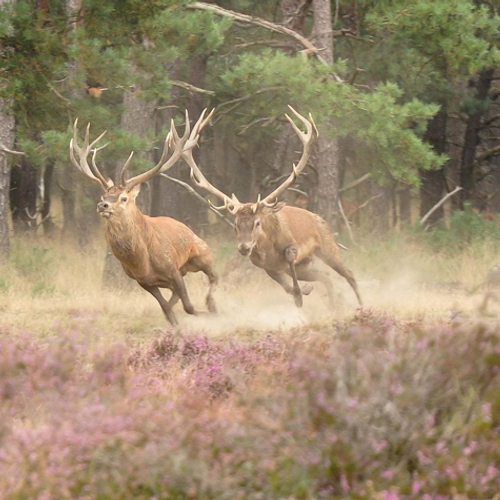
162	165
83	152
231	204
308	139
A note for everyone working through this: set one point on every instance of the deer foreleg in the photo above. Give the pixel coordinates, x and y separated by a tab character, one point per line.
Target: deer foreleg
281	279
291	253
166	307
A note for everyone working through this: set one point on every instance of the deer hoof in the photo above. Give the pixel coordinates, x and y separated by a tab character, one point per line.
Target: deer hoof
307	289
211	306
297	298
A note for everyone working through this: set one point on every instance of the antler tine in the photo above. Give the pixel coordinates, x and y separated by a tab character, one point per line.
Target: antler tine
308	139
124	169
231	204
83	152
162	165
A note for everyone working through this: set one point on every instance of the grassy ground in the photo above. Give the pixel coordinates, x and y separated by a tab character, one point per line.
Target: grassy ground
49	286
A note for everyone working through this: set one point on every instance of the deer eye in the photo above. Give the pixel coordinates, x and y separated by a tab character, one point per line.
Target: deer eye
124	199
257	223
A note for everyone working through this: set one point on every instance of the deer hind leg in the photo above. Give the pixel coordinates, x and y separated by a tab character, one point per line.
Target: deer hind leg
489	295
181	291
166	306
291	254
213	280
173	299
334	260
206	266
315	275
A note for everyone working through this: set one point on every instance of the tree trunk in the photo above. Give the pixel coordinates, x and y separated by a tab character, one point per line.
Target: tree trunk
381	210
326	196
195	218
7	136
293	15
48	223
66	180
23	197
433	187
166	196
138	118
405	206
482	85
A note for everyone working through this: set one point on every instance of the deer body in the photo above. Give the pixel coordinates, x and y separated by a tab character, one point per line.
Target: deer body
155	251
290	226
287	243
279	239
151	249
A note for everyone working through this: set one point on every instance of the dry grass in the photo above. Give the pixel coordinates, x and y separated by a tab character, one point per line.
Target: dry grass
49	287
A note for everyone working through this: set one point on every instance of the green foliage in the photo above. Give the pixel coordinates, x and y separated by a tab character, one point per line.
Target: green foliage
454	34
31	260
42	288
466	229
5	285
424	50
379	120
427	47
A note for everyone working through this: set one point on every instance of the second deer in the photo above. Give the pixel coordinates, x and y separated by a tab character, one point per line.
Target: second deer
155	251
282	240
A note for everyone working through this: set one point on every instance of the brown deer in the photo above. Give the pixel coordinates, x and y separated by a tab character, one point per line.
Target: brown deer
155	251
281	239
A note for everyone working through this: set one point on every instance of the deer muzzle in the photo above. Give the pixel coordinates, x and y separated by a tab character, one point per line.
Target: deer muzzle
245	248
103	209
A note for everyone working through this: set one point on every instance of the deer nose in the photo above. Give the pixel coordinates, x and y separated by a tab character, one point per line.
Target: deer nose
244	248
102	206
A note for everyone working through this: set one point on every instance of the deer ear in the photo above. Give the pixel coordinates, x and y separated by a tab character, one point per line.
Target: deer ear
273	210
135	191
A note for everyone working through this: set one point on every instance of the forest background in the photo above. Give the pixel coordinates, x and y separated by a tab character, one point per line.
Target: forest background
405	95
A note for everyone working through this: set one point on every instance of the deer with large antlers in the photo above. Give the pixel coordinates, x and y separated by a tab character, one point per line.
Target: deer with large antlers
280	239
155	251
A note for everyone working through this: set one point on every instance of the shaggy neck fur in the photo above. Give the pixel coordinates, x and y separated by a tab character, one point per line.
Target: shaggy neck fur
127	233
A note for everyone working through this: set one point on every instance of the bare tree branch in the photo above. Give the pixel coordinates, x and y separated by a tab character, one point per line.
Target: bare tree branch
487	154
198	196
10	151
191	88
309	48
346	222
438	204
355	183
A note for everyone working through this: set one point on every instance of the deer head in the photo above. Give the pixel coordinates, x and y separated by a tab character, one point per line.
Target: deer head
118	199
249	219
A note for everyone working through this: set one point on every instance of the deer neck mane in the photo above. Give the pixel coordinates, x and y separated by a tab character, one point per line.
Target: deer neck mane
127	233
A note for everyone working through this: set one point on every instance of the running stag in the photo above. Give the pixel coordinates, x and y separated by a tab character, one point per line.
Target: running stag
155	251
280	239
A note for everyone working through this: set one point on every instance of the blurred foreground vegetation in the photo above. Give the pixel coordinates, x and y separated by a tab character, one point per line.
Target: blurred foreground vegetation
372	409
